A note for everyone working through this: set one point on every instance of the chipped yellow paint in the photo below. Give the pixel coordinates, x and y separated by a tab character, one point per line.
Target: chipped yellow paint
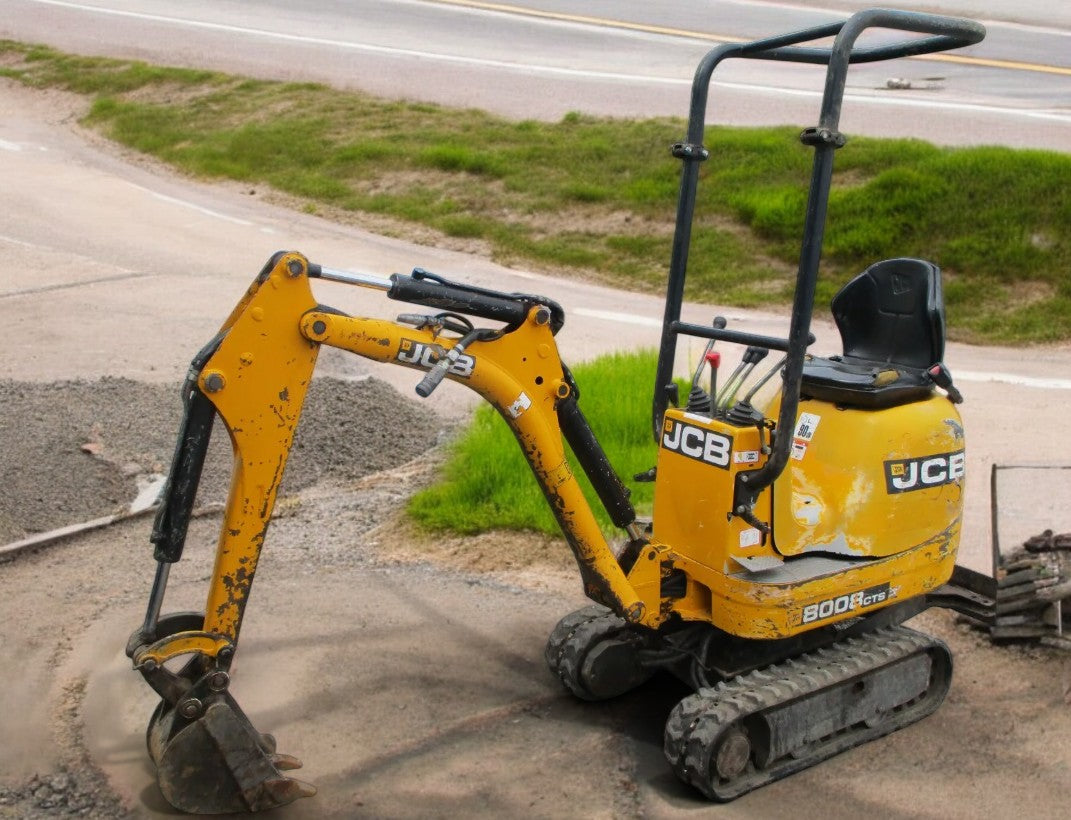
831	500
843	467
750	607
181	643
257	381
504	369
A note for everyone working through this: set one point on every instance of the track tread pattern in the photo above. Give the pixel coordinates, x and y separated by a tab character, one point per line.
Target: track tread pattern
570	640
697	722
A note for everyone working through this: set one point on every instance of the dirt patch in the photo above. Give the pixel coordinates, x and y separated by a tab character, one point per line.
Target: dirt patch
531	559
374	223
1025	294
173	93
72	451
590	219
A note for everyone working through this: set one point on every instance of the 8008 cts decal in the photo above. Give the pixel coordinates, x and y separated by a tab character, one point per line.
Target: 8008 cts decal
848	603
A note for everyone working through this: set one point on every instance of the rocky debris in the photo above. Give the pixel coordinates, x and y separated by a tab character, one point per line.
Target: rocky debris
73	451
60	794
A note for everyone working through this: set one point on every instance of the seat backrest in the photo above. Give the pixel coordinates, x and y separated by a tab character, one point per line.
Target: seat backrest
894	313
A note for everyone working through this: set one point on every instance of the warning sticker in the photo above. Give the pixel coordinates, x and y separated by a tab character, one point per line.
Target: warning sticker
806	426
750	538
518	407
746	457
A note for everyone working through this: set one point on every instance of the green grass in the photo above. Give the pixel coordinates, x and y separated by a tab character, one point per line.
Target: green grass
590	196
487	483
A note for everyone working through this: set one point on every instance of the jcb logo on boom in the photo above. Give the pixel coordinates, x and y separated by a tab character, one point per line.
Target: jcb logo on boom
905	475
695	442
422	355
848	603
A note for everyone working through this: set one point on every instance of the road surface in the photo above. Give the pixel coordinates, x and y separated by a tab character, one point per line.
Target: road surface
544	58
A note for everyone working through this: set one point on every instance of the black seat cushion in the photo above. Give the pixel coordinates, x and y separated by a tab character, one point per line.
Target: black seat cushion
892	325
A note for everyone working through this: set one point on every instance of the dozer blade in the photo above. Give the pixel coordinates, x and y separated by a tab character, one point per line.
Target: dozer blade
210	760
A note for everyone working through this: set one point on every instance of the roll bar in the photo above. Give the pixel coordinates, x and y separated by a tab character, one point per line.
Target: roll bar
944	33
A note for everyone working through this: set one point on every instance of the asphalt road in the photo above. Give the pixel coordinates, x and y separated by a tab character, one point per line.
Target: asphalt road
543	58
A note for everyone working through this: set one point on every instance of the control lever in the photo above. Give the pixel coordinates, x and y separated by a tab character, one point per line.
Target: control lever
752	356
698	400
761	382
719	324
713	358
943	379
439	370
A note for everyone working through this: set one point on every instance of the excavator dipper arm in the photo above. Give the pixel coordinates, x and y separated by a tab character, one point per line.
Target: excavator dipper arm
254	376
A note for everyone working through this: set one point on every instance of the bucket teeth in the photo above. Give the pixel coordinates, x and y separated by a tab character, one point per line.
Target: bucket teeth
285	790
285	762
218	763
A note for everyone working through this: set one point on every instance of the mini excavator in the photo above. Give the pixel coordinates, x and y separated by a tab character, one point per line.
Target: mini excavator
791	535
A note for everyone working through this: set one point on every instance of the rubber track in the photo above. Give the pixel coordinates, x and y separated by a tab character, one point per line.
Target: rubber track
695	724
570	640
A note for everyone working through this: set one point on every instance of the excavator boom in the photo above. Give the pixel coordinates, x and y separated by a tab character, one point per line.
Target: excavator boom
253	376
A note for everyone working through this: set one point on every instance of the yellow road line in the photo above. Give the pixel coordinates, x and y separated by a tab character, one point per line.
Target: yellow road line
606	22
1009	65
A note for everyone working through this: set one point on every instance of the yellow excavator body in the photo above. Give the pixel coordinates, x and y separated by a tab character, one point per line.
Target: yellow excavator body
867	511
790	537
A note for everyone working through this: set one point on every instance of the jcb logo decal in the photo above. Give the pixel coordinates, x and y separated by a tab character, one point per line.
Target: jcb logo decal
695	442
419	354
906	475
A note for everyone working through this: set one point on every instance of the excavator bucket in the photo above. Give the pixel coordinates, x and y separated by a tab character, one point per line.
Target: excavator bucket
209	758
217	762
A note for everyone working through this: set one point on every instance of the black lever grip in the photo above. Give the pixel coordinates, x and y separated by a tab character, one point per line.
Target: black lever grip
433	378
441	367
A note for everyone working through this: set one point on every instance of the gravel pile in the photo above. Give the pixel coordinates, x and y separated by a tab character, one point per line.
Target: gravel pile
63	794
73	451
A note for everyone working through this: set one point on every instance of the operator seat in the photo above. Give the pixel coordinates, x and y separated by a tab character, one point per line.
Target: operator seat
891	319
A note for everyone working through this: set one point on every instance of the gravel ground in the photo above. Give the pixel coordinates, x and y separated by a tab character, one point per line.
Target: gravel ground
991	720
73	451
80	793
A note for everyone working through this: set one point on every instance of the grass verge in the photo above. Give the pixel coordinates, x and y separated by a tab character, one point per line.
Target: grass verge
487	484
597	196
